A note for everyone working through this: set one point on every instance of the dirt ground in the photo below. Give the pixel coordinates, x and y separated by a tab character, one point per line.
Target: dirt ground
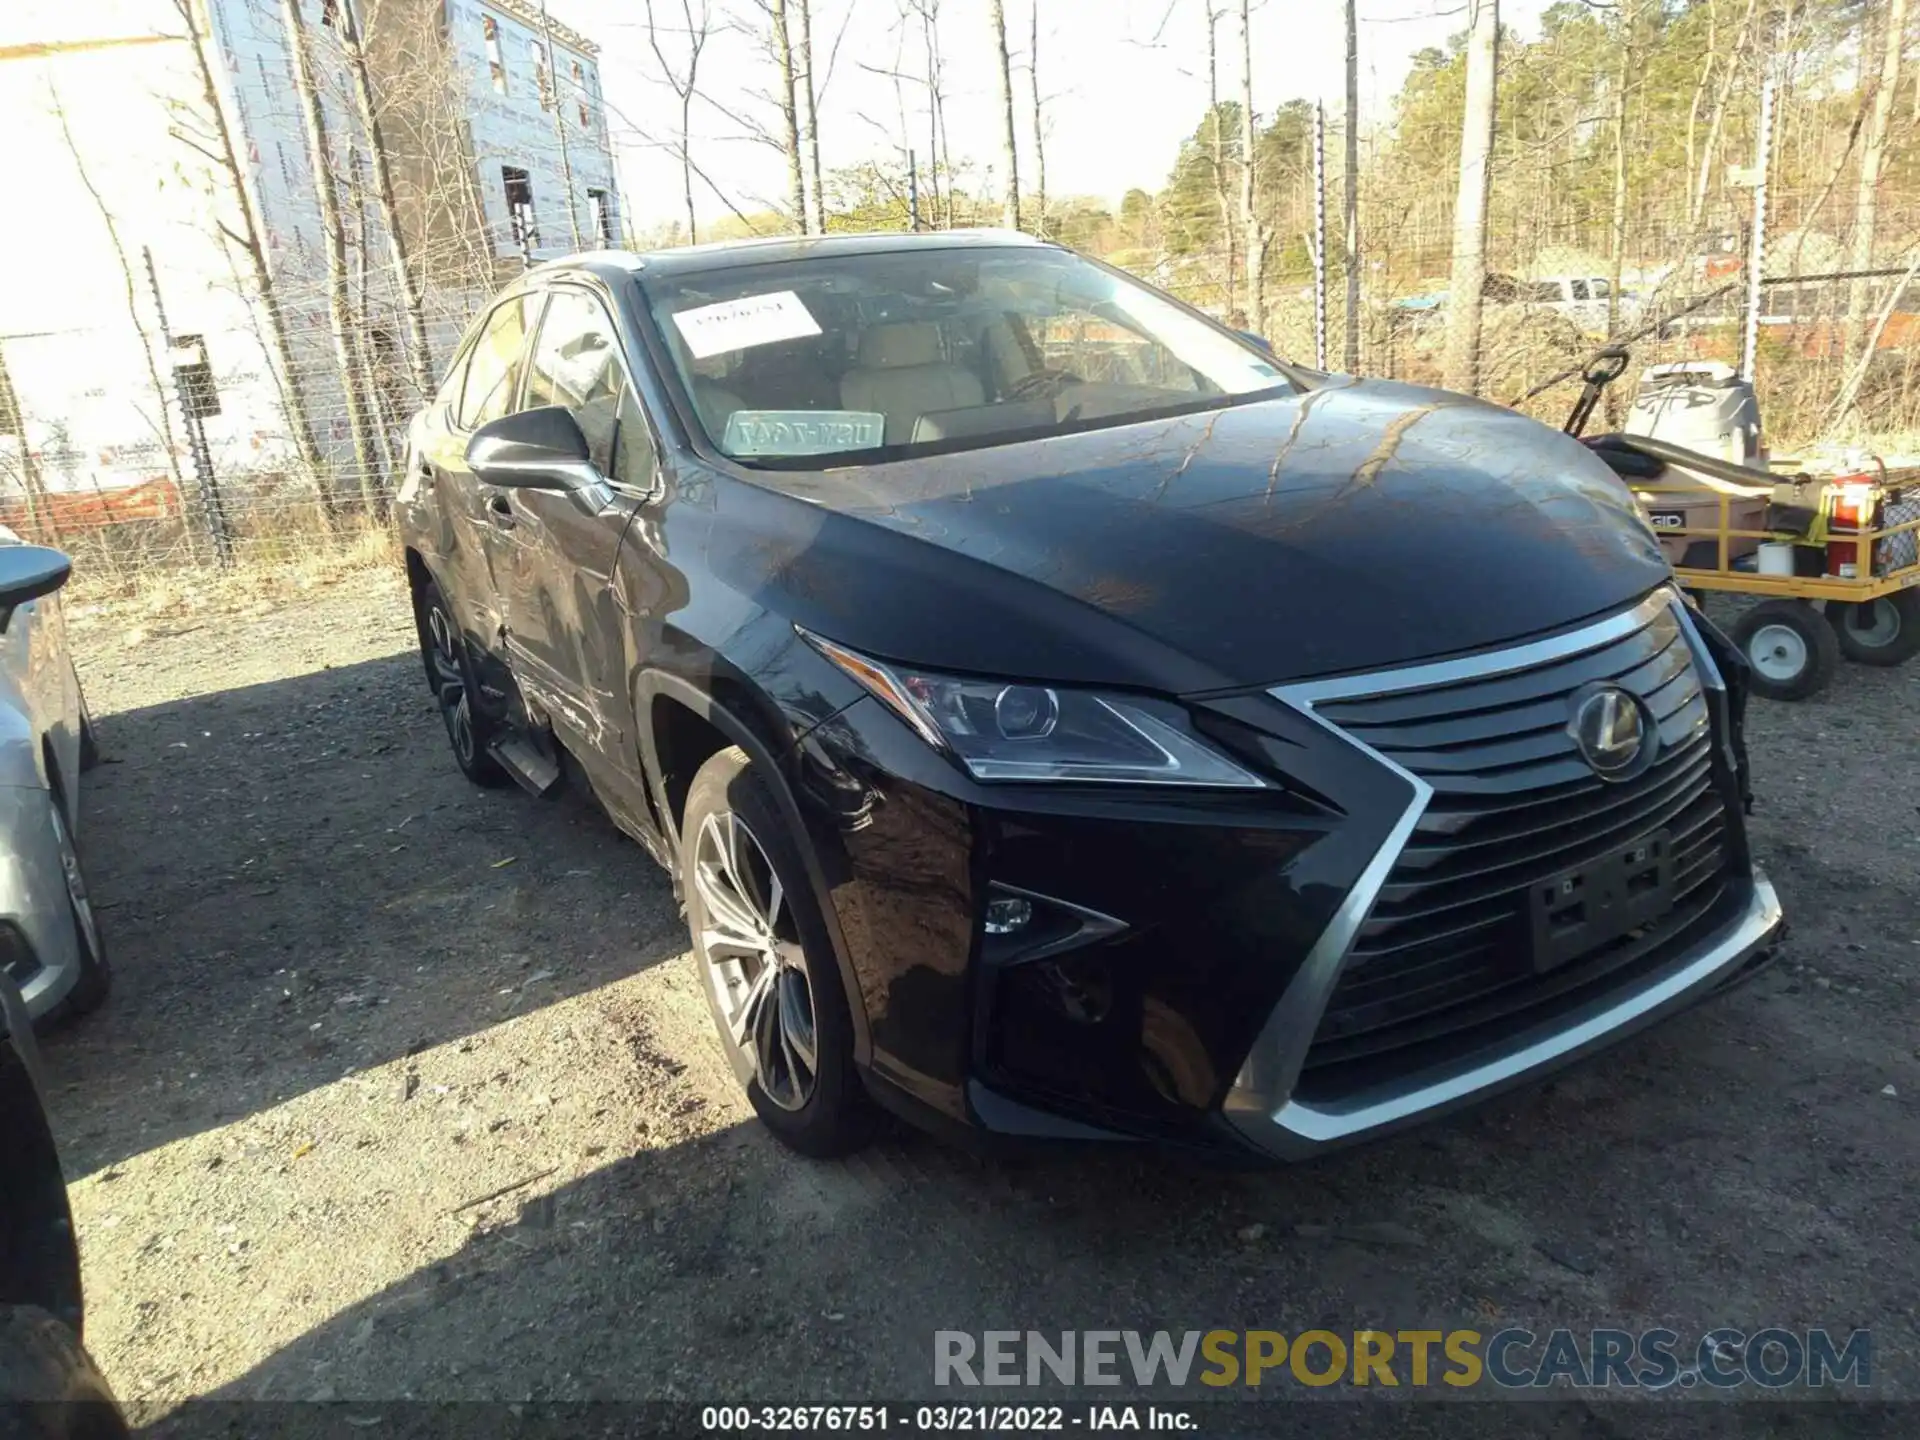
407	1091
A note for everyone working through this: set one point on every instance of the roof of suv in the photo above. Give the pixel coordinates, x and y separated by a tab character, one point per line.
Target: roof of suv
773	249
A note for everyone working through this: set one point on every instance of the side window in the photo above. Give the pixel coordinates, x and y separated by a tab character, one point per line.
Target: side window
576	363
494	371
633	450
1601	289
1579	289
449	392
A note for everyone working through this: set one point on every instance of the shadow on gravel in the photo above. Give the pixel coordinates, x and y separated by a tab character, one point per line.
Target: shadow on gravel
295	880
726	1270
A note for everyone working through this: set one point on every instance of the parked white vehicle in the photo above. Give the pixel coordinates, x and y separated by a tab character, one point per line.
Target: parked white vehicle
1582	298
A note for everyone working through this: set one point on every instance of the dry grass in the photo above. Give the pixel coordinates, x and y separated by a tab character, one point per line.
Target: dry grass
268	572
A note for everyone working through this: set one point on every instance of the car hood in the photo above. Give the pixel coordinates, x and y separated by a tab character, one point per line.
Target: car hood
1359	525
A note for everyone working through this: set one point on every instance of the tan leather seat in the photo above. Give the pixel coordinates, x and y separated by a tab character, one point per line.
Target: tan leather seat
902	375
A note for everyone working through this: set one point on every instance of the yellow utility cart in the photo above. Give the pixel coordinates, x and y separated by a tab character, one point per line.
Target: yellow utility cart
1849	545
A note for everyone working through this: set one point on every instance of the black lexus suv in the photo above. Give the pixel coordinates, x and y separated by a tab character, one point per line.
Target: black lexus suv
1061	717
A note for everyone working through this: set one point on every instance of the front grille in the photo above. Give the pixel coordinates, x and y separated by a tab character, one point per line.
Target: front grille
1447	946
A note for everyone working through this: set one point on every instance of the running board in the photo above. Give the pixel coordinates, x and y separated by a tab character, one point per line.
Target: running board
532	770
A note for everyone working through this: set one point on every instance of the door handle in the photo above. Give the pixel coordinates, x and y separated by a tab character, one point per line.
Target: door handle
500	512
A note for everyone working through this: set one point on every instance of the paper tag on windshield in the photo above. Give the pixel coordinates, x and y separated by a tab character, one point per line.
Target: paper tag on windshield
740	324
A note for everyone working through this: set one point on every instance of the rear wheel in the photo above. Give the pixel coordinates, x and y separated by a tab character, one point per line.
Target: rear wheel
766	965
1792	650
89	992
450	674
1878	632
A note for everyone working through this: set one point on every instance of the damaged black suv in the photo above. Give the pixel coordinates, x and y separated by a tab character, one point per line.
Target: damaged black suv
1063	718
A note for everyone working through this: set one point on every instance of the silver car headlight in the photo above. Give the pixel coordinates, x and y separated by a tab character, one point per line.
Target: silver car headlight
1006	730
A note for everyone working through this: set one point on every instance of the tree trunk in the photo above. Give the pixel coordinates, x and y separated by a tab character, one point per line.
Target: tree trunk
1255	231
1617	226
1465	292
162	398
790	117
1220	155
293	403
1010	207
1350	184
1873	151
813	116
559	123
1039	131
686	165
406	284
1710	146
339	310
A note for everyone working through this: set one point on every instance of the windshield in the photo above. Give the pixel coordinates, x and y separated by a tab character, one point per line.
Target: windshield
875	356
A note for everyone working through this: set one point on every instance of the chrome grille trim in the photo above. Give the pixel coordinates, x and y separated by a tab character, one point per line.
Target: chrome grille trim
1260	1103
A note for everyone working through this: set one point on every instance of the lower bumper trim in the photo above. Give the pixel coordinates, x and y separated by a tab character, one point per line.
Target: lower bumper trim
1296	1130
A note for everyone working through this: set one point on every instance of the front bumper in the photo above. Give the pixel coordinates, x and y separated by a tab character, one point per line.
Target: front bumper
1194	941
38	943
1293	1129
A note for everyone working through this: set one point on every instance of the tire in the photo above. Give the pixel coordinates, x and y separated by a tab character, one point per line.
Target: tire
443	651
89	738
1791	648
90	990
1890	634
50	1389
732	827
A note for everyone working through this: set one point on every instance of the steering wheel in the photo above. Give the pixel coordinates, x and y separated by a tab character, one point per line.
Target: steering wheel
1042	384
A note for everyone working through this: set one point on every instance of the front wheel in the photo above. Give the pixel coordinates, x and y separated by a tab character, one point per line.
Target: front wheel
1792	650
450	673
766	965
1878	632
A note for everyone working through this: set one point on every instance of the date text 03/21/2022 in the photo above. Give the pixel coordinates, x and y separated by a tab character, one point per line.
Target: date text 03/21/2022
942	1419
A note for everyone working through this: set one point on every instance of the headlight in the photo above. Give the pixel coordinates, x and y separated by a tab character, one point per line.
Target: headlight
1013	730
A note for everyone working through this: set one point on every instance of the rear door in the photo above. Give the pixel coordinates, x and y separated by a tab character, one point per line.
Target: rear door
556	556
470	513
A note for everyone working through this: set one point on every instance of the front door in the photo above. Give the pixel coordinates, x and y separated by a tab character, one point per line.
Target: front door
557	548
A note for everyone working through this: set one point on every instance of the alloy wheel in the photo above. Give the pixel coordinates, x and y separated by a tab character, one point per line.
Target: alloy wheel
753	959
450	683
76	883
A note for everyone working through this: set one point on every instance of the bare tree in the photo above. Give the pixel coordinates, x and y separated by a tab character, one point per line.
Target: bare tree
339	308
164	424
1465	292
685	83
810	95
1873	149
1623	79
1710	146
215	142
1039	128
1350	184
1250	222
789	116
405	283
1010	209
1218	158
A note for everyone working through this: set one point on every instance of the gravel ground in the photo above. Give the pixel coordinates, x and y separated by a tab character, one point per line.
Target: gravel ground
407	1091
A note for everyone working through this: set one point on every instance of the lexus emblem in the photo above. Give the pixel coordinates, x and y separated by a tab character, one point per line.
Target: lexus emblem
1611	731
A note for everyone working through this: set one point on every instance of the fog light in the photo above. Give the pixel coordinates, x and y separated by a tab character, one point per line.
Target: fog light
1008	915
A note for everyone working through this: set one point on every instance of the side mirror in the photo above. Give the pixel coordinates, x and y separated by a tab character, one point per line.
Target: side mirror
26	573
539	449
